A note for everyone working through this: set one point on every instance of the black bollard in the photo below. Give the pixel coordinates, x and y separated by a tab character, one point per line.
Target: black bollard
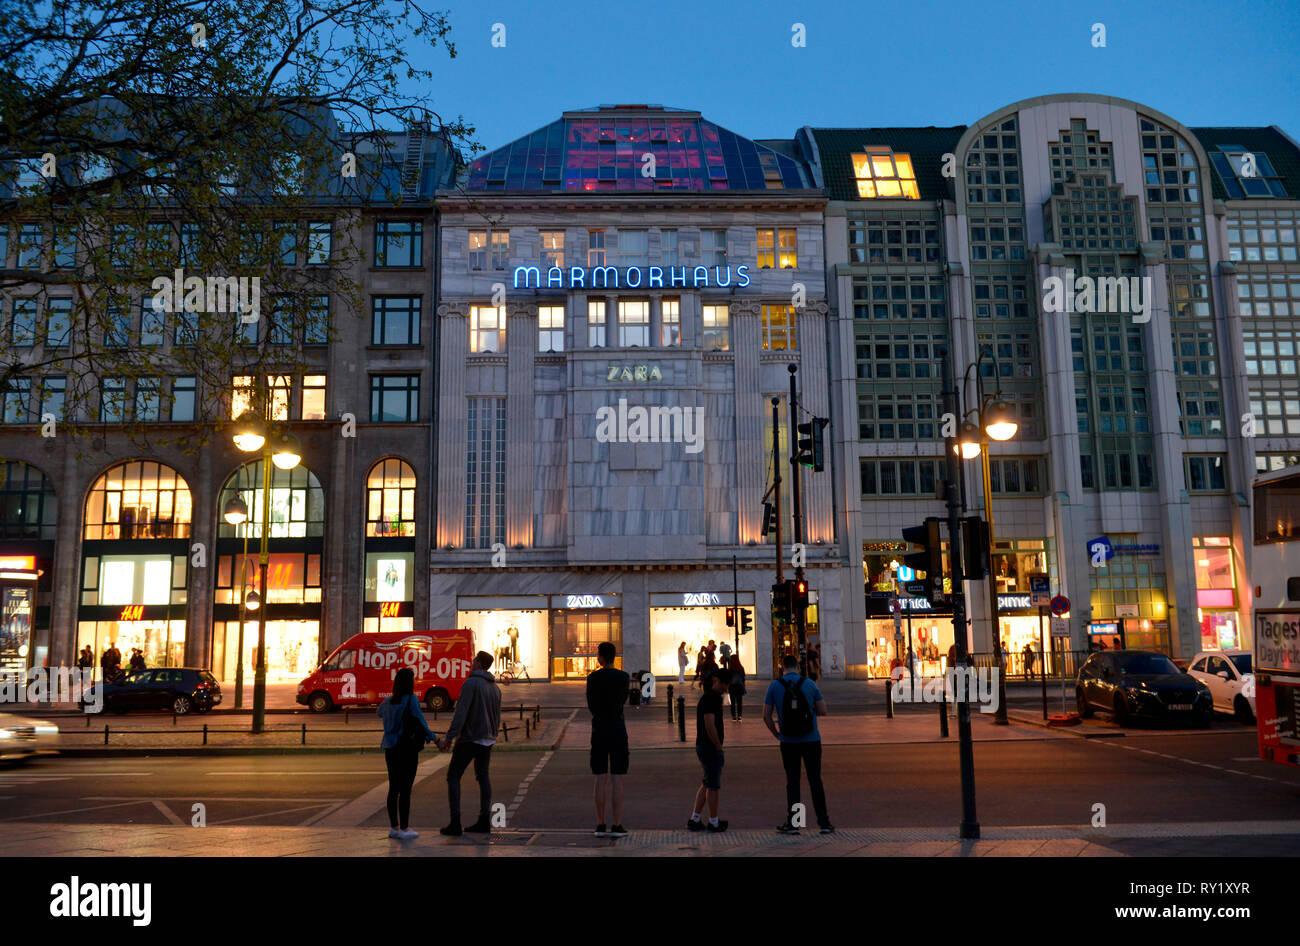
943	718
889	698
681	718
670	702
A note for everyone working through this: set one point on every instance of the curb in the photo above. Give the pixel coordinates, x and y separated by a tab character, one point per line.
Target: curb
86	752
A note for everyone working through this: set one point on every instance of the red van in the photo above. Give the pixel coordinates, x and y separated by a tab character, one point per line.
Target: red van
362	669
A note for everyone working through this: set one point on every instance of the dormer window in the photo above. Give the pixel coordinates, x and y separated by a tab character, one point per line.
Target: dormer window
1246	173
882	173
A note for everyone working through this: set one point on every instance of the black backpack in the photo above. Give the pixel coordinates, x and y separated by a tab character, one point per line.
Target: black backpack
796	712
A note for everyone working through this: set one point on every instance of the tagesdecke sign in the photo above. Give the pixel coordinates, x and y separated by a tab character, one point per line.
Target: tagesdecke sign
1277	640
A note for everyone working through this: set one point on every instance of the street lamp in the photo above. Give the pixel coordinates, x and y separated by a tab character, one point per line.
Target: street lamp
995	422
285	452
236	513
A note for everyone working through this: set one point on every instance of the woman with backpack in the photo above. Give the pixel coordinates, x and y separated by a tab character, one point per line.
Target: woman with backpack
405	733
737	687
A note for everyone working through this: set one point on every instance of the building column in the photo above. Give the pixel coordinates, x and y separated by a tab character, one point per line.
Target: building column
453	334
521	345
752	412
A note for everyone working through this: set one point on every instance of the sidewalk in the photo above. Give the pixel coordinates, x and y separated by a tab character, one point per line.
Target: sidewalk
24	839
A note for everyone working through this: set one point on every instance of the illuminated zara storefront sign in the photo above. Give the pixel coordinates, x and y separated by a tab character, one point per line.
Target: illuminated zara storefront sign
631	277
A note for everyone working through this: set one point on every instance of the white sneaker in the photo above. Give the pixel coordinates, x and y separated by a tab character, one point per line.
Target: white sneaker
408	835
394	833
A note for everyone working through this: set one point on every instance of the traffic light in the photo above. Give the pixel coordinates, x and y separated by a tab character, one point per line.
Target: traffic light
781	601
811	450
731	617
745	621
769	519
975	547
928	559
798	597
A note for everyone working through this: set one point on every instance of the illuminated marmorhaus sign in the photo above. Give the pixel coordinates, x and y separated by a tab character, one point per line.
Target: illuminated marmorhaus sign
631	277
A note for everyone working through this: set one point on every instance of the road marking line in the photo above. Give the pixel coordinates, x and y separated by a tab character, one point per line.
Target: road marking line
73	811
1207	765
355	812
265	814
329	809
167	812
218	798
383	772
1234	771
526	783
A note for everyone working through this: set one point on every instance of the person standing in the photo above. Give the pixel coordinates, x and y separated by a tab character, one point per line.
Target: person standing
86	659
1029	660
473	729
683	662
795	703
405	733
708	749
699	666
724	651
737	687
607	690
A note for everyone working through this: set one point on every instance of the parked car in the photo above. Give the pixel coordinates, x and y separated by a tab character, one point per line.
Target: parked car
1136	684
1224	672
179	689
21	737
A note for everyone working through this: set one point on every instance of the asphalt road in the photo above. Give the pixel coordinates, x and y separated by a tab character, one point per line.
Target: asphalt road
1141	777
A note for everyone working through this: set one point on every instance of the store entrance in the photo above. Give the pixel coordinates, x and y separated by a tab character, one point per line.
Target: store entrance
575	635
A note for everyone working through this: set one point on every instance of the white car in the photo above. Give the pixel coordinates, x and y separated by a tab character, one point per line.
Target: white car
1223	671
21	737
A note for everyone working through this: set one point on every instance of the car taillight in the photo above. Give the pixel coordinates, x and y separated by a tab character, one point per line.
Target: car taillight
201	686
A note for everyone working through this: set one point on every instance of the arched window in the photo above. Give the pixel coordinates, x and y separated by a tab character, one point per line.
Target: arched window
297	503
139	499
28	508
390	499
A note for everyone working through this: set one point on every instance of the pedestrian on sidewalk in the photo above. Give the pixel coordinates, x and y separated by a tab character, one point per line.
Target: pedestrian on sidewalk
796	703
86	659
606	693
682	663
405	733
699	666
473	729
1029	660
708	749
724	651
737	687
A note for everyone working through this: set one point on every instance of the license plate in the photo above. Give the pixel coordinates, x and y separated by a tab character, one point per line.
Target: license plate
1180	706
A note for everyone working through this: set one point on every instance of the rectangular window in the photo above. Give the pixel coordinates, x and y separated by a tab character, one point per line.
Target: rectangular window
112	400
500	249
485	472
595	247
670	318
399	243
187	328
487	328
395	320
1204	474
595	323
31	241
634	323
668	247
395	397
53	397
632	247
16	398
713	247
766	249
65	249
148	399
477	250
882	173
280	331
313	397
318	320
117	326
717	328
278	386
58	323
777	248
552	249
286	235
184	398
23	327
778	328
241	395
320	243
550	328
153	323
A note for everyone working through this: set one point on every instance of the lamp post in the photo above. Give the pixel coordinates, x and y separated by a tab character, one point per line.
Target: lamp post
995	422
236	513
284	451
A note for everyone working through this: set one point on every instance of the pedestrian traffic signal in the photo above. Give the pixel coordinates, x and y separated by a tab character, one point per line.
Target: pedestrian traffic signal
769	519
799	598
928	558
731	617
746	624
975	547
811	450
781	601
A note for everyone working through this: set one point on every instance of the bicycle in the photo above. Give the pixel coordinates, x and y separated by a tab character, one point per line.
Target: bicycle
514	670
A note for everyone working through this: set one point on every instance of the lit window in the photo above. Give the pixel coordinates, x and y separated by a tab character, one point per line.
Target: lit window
477	249
487	328
313	397
881	173
717	328
777	248
634	323
552	248
778	328
671	319
241	398
550	328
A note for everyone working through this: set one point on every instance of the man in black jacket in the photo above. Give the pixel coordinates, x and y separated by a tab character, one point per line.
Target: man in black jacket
607	690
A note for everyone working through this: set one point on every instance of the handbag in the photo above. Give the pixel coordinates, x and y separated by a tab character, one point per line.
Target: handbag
413	735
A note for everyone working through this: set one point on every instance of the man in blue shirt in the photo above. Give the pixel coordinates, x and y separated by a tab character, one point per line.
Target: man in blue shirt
795	702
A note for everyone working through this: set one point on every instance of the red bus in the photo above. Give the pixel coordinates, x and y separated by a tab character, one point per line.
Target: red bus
1275	573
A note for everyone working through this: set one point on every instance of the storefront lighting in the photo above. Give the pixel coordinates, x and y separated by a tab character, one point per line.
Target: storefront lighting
999	423
250	432
288	452
253	601
236	511
18	576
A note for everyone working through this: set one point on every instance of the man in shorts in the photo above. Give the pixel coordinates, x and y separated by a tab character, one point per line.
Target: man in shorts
607	690
708	748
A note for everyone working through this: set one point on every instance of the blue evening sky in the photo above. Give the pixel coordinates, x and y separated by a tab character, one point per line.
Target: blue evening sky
866	63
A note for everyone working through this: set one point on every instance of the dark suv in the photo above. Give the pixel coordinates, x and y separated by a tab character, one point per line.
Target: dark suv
1140	683
179	689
